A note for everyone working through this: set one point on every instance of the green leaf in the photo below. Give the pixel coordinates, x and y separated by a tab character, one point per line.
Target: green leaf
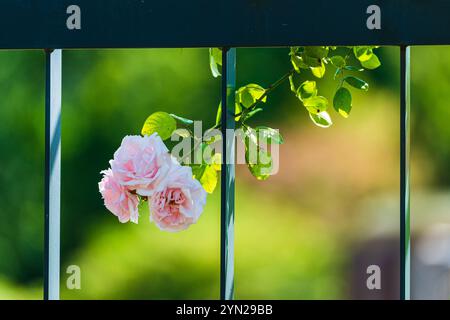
261	171
316	52
316	104
197	170
215	60
319	72
207	175
181	119
297	63
357	83
209	179
262	167
363	53
322	119
342	101
372	63
307	90
311	62
337	61
237	110
249	94
160	122
268	134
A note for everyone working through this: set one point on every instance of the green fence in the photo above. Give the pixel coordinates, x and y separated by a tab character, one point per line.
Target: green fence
58	25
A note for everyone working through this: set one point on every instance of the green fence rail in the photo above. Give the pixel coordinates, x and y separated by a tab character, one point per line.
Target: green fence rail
47	25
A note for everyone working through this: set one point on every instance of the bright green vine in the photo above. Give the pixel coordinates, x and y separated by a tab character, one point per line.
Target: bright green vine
347	65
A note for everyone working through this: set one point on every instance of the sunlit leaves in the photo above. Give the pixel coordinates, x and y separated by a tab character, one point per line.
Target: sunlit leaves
316	59
247	97
249	94
206	175
215	61
259	161
372	63
216	161
319	72
316	104
321	119
309	58
292	84
268	134
206	172
311	62
162	123
261	170
342	101
183	133
208	178
316	52
357	83
237	111
296	59
297	63
258	158
363	53
337	61
307	90
307	93
197	170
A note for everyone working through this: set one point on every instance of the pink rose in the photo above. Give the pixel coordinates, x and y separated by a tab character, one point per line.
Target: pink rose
118	198
178	200
140	162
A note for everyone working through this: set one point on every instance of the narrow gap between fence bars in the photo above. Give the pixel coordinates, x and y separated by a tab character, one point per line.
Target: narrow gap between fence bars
405	239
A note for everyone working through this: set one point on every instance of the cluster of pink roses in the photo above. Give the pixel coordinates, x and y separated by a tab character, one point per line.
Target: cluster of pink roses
142	169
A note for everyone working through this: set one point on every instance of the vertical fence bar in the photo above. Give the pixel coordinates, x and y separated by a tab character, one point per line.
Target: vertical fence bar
52	173
404	172
227	175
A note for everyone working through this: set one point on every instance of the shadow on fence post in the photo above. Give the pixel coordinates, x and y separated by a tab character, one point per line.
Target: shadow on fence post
52	173
227	175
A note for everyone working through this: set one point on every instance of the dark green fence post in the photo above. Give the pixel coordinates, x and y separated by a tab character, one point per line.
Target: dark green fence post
227	175
405	248
52	173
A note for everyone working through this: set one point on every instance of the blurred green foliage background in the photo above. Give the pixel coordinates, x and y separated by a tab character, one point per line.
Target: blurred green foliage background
296	234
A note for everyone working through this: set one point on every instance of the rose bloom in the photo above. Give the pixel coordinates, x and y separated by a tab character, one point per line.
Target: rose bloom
140	162
178	201
118	198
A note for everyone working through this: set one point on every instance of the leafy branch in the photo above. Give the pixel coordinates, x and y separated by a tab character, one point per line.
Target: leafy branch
315	60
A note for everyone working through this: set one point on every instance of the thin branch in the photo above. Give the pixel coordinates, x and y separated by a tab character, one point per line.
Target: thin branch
266	92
